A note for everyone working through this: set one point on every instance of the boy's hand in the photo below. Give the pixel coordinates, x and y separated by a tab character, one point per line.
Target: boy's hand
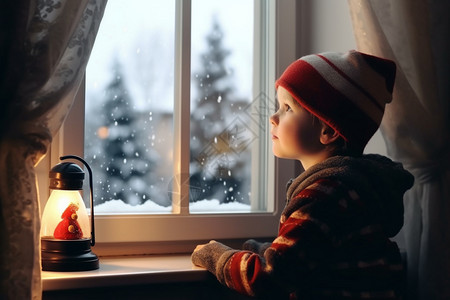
211	256
203	245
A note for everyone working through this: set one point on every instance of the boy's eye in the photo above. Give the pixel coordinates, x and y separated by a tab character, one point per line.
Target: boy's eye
287	107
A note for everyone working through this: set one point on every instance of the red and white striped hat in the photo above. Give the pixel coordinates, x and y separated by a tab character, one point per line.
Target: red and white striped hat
346	91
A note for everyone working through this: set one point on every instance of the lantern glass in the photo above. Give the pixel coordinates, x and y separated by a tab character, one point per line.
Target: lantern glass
65	216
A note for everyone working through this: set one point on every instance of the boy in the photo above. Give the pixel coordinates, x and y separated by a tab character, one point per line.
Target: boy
333	240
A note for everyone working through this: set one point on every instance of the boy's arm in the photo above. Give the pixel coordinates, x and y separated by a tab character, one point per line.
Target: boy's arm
278	270
243	271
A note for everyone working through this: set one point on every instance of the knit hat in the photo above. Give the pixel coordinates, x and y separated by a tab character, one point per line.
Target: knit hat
346	91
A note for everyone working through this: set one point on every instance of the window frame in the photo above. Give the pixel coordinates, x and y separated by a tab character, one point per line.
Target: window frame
143	232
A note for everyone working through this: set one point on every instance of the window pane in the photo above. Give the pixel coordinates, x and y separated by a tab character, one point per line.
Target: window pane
129	107
222	133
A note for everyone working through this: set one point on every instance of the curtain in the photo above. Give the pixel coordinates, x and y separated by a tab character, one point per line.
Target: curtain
44	49
415	34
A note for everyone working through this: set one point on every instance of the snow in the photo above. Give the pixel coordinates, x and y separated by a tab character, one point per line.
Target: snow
206	206
216	206
120	207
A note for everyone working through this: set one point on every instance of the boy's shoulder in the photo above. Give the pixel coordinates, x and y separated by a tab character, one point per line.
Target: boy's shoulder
321	188
323	193
330	204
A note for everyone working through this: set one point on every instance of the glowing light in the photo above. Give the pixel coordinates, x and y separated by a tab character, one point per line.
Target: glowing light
103	132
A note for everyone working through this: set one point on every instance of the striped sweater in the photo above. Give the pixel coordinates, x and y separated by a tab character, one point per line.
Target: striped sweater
333	240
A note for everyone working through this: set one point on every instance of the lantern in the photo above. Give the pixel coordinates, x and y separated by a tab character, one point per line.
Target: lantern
66	235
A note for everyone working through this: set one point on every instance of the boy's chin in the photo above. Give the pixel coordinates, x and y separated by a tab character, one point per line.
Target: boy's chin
280	155
276	153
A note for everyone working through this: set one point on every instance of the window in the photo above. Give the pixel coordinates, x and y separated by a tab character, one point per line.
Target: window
191	154
129	107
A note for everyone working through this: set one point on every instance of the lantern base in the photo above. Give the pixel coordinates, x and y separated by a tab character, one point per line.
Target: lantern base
68	255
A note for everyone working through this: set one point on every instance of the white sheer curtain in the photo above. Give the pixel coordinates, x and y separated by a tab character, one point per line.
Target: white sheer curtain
44	48
415	33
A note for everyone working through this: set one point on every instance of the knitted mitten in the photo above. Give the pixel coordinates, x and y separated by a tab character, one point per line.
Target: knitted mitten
213	257
255	246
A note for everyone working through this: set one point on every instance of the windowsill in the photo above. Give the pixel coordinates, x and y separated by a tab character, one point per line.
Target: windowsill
128	270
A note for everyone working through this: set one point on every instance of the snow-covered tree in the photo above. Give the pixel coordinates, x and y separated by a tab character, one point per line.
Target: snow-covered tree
121	160
218	168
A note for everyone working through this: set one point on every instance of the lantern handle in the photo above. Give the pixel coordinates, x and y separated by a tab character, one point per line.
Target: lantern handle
91	194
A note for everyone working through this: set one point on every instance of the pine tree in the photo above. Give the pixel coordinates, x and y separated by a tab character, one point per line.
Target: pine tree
124	160
213	162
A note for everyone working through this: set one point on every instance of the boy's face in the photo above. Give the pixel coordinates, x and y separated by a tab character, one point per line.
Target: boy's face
295	134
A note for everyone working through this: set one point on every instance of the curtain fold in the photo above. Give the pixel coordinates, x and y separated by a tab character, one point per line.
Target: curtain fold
414	33
45	46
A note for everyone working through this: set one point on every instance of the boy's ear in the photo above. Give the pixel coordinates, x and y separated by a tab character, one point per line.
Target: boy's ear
328	135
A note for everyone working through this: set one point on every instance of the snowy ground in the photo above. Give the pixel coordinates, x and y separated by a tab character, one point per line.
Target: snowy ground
119	207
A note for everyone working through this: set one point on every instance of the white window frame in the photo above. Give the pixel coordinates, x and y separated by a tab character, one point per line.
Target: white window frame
178	232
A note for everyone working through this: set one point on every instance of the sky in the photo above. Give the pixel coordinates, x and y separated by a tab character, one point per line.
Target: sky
133	24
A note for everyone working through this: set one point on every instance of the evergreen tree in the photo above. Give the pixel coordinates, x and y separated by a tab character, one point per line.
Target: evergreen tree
214	164
123	160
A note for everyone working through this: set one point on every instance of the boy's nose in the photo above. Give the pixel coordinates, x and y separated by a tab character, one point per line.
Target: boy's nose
273	119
